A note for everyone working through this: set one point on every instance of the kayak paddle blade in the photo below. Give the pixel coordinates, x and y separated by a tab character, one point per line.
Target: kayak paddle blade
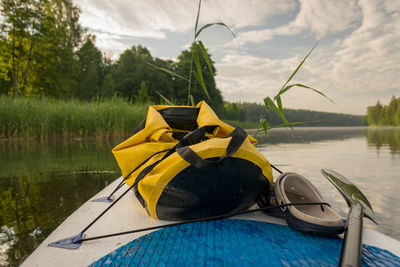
104	199
350	192
72	242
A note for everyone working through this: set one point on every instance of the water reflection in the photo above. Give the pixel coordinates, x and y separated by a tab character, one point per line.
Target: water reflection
384	138
33	205
309	134
27	157
368	157
42	183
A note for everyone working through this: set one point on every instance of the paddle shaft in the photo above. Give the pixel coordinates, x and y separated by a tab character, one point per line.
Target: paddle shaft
351	248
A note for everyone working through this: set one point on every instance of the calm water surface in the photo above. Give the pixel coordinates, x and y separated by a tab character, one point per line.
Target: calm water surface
41	183
368	157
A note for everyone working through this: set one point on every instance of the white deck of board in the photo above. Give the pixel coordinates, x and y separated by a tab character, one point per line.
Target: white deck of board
127	215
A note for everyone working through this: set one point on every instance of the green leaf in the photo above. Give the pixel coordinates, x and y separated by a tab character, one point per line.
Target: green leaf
164	98
192	100
279	101
265	126
258	127
205	55
278	109
197	62
197	18
270	104
199	74
299	66
201	81
211	24
303	86
168	71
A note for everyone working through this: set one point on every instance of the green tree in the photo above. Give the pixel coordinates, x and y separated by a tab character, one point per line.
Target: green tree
392	108
160	81
56	68
143	97
39	39
90	71
374	113
107	88
132	69
5	81
234	111
21	29
396	117
181	86
384	115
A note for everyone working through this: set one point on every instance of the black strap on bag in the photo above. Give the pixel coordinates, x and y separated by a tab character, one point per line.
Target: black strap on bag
190	138
183	149
238	136
198	135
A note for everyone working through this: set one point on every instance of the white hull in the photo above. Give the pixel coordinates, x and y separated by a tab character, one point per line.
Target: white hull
127	215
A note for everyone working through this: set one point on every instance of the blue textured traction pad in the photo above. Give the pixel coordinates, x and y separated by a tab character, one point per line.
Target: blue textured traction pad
236	243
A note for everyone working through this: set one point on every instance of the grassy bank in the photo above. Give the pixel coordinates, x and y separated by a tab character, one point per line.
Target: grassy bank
43	118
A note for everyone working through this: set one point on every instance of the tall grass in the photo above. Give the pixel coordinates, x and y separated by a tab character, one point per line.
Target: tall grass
274	104
44	118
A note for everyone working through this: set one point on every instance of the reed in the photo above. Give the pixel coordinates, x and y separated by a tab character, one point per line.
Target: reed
43	118
274	104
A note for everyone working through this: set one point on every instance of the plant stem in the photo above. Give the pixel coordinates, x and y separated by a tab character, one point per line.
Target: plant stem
190	78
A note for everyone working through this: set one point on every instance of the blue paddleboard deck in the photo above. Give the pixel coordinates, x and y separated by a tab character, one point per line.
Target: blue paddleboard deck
232	242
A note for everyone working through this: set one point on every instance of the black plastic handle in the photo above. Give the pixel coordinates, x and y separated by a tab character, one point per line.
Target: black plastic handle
238	137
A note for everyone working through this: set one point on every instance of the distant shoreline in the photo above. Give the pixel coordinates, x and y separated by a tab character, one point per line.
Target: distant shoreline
43	119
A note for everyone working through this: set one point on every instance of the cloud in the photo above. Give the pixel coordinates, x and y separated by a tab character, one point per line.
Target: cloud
370	56
318	17
355	68
356	62
326	17
150	18
116	21
244	77
239	13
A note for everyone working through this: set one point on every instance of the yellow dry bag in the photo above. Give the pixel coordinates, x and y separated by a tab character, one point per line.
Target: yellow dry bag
184	163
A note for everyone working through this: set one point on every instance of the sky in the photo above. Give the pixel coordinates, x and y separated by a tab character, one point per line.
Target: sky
356	62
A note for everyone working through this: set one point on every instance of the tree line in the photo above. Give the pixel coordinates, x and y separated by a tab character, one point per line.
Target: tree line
44	51
384	114
254	112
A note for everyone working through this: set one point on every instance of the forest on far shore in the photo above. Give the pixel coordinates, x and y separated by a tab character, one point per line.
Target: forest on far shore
384	115
45	53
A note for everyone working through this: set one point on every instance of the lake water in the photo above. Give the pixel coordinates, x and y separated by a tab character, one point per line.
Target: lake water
41	183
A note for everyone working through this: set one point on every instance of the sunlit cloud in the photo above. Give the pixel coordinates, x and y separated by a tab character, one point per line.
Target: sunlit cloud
316	17
150	18
355	63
